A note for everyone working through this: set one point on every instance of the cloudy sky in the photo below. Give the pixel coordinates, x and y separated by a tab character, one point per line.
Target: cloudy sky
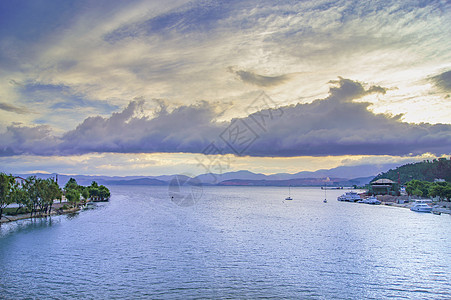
161	87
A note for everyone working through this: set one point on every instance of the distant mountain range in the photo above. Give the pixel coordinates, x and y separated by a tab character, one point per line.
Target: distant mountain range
297	182
340	176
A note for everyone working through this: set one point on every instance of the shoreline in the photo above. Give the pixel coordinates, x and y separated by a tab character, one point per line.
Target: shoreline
56	210
443	207
442	210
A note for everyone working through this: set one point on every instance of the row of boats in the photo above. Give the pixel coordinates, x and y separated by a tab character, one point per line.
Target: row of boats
354	197
418	206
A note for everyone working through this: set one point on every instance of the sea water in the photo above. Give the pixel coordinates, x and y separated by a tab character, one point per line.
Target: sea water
228	242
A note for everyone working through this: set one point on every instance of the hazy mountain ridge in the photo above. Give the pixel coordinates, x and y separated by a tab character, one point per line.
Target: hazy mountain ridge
138	181
345	175
291	182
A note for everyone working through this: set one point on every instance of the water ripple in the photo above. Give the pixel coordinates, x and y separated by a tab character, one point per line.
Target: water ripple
235	243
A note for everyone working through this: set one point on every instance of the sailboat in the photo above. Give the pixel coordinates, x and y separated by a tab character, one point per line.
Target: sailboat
325	189
289	193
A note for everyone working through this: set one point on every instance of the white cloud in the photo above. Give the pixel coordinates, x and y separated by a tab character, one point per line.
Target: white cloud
378	42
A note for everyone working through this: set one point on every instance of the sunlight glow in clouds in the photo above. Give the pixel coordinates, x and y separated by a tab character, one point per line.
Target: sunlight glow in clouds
70	70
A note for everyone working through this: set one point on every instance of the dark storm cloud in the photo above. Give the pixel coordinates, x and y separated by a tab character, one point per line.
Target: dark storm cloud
27	140
12	108
443	81
186	129
332	126
260	80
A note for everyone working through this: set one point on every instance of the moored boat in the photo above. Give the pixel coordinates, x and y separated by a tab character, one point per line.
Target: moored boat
289	193
371	200
421	207
350	197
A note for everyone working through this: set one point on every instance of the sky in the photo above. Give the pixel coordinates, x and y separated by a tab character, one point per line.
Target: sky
190	87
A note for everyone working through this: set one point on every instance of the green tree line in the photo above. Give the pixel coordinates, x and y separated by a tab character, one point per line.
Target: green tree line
36	195
94	192
427	170
429	189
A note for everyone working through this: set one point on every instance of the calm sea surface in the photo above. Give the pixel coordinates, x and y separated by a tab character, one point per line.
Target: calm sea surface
234	242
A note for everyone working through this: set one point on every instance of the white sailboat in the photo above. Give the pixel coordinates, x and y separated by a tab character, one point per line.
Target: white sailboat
289	193
325	189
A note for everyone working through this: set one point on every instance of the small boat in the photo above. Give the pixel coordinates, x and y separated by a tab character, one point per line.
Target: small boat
436	210
371	200
421	207
325	190
289	193
350	197
89	205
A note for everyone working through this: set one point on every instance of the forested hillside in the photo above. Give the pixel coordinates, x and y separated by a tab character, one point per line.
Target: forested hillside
425	171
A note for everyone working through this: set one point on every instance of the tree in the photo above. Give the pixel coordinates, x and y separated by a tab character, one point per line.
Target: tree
98	193
73	191
73	196
71	185
440	189
94	184
417	192
418	188
104	193
48	192
447	192
32	196
85	194
19	196
38	194
7	183
94	192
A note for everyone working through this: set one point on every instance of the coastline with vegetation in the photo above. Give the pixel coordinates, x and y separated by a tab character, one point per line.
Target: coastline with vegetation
427	181
36	198
407	202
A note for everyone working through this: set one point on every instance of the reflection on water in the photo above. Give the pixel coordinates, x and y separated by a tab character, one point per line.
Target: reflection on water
26	225
72	215
235	242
